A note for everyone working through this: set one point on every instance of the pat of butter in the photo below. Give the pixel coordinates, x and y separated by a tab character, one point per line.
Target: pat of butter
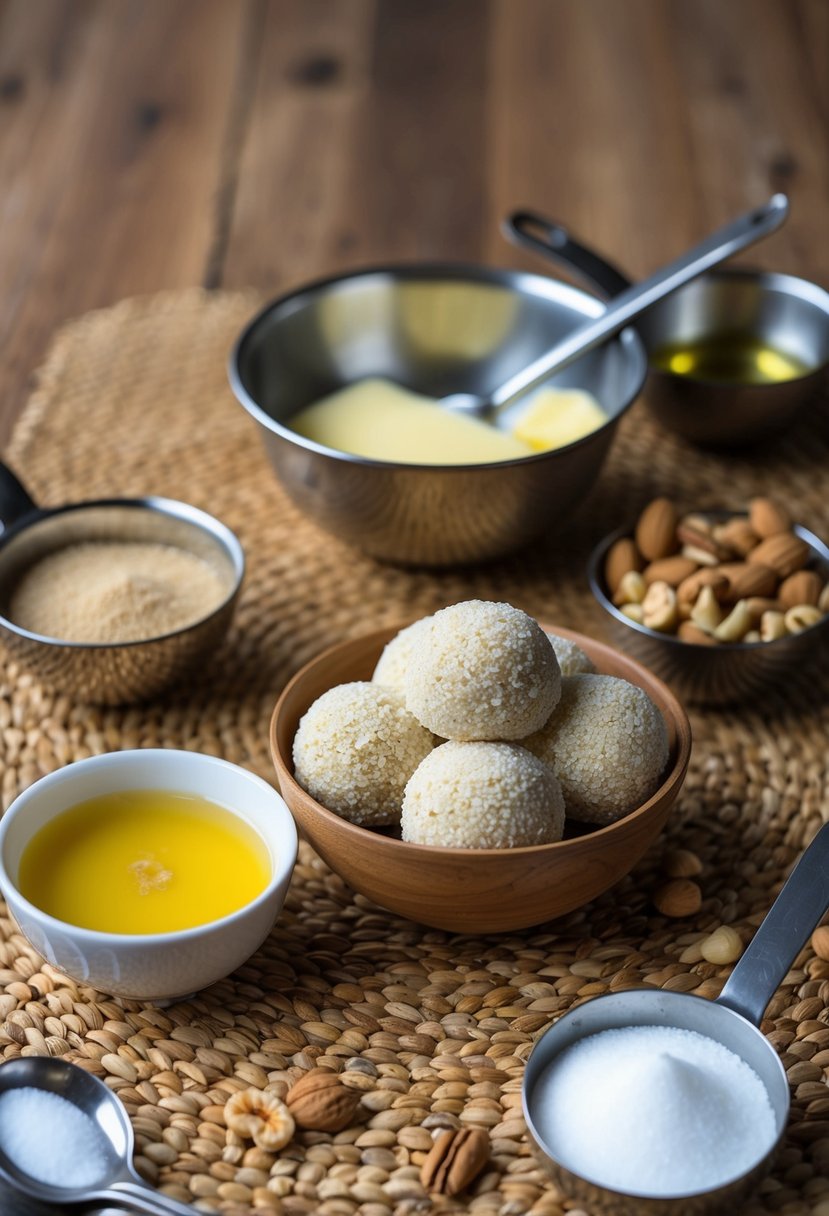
555	417
380	420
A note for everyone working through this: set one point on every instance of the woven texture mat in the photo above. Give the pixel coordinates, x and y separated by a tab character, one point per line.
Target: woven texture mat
434	1029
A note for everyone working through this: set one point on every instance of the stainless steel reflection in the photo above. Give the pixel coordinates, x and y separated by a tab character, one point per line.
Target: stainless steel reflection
731	1020
112	674
784	312
725	673
437	329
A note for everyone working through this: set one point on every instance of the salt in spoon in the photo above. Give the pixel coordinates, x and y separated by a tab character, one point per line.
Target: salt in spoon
118	1184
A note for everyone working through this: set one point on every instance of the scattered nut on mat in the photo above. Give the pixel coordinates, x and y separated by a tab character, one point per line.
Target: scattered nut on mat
260	1117
454	1160
678	898
820	942
320	1102
723	946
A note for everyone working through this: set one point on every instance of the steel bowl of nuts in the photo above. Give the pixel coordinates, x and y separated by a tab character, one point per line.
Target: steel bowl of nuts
721	604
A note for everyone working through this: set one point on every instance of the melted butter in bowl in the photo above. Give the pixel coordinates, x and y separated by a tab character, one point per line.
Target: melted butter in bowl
380	420
144	861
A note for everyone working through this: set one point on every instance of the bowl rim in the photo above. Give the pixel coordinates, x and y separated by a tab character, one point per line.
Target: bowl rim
279	873
671	709
595	577
519	281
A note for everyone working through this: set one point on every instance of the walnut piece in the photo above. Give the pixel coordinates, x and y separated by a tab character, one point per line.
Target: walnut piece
261	1117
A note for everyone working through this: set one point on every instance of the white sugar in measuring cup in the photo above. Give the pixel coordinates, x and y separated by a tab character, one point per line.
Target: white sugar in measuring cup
732	1021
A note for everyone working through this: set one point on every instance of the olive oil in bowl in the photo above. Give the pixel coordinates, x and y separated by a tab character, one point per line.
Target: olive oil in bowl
729	359
144	861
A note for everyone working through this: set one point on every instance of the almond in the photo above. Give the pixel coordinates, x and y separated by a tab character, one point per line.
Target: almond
671	570
820	942
784	552
758	605
681	863
688	590
454	1160
748	579
736	534
656	529
320	1102
679	897
767	518
622	556
689	632
802	587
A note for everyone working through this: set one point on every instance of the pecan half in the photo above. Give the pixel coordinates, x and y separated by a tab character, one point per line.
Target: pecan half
454	1160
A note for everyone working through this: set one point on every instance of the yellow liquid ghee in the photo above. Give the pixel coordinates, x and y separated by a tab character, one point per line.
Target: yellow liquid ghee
143	861
381	420
729	359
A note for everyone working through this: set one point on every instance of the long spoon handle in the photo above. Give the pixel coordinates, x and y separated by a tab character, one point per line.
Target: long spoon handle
636	299
547	237
137	1197
792	917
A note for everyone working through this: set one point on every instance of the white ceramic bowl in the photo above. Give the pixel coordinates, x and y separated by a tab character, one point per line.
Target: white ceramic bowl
153	966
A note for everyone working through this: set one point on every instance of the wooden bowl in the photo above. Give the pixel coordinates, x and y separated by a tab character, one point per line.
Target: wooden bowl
473	890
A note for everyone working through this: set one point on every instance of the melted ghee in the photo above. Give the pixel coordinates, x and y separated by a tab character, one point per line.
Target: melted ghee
729	359
143	861
383	421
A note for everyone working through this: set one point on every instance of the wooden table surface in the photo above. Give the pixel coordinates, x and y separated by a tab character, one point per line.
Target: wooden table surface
150	144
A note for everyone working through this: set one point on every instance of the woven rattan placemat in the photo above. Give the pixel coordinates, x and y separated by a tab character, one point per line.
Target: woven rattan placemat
433	1028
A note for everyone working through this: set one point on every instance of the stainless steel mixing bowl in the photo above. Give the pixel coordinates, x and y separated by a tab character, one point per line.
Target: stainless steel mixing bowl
437	329
785	313
112	673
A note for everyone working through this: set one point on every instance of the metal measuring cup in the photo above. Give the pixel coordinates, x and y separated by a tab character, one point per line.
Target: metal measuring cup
785	312
731	1020
112	673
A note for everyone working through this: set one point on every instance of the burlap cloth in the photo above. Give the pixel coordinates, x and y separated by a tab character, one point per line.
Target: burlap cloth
434	1028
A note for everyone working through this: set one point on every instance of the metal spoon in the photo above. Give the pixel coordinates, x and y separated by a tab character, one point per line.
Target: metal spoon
627	306
119	1185
732	1020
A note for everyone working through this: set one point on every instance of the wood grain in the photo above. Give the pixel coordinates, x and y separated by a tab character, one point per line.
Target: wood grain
147	144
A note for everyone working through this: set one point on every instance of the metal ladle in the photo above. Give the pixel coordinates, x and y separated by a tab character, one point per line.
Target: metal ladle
732	1020
627	306
119	1185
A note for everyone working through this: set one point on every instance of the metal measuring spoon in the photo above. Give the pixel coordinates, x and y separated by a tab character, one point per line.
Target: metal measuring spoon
732	1020
627	306
119	1184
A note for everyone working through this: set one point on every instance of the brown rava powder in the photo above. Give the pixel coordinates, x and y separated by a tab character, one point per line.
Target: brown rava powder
115	591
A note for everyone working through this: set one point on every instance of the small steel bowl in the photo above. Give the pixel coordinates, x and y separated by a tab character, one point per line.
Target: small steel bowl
112	673
786	313
714	675
437	329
